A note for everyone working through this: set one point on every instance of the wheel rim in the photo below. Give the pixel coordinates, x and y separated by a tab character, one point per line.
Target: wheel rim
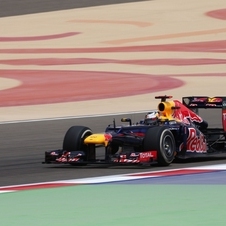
167	146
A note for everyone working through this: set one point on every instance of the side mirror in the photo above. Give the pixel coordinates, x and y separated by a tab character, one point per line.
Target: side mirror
127	120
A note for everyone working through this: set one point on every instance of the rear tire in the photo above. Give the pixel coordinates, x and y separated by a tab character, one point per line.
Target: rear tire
162	140
74	138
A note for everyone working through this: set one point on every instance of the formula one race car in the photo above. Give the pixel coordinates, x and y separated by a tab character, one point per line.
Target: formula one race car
175	130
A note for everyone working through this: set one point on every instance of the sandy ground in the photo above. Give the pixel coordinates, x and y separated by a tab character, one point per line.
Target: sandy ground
153	23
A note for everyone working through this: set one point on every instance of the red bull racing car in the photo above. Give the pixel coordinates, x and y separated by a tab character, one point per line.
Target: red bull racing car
175	130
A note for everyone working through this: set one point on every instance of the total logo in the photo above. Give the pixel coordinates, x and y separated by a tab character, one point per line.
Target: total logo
145	156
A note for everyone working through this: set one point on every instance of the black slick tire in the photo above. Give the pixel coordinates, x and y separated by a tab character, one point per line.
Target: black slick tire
162	140
74	138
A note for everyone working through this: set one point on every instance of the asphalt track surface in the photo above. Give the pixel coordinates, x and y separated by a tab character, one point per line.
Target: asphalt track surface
13	7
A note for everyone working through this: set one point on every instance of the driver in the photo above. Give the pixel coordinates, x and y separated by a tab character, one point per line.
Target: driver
151	117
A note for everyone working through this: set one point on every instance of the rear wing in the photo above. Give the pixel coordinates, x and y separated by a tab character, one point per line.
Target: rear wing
196	102
204	102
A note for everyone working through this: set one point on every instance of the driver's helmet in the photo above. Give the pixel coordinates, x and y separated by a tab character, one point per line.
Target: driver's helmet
151	117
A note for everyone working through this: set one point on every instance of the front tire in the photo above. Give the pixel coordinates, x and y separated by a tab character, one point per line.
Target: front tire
74	138
162	140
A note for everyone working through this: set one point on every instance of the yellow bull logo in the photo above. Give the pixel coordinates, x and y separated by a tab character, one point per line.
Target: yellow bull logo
214	99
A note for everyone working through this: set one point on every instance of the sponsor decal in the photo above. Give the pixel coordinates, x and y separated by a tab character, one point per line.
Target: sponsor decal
134	154
224	119
122	156
199	99
224	116
184	114
181	117
73	159
64	157
107	136
211	105
146	156
215	99
196	141
61	159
